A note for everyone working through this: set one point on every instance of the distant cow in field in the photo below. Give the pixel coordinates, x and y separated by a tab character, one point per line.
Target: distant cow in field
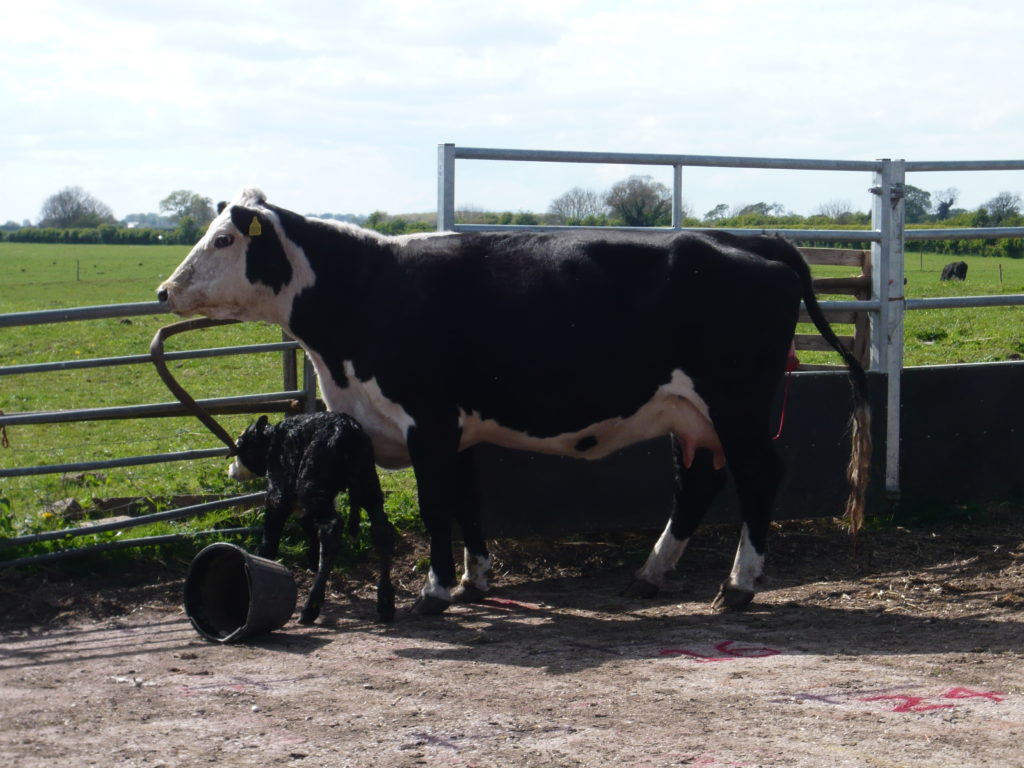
575	343
956	270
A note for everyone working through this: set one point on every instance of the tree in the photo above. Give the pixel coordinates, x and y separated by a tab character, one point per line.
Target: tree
1002	207
945	199
73	207
719	212
762	210
916	204
576	205
834	209
188	230
182	203
640	201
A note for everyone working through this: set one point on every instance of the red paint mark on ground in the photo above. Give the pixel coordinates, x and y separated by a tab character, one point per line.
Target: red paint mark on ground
967	693
917	703
506	604
910	703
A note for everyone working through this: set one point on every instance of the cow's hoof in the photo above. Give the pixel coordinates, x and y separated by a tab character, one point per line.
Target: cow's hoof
468	593
428	605
642	588
731	599
309	614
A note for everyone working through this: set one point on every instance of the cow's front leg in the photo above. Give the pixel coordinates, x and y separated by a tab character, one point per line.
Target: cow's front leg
434	459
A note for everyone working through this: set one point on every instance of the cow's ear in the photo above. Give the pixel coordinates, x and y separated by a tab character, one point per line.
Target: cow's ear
265	259
221	206
249	221
261	423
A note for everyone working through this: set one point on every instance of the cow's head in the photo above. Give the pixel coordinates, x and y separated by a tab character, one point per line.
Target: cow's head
242	269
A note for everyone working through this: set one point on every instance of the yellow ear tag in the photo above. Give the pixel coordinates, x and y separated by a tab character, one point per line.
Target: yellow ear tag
254	228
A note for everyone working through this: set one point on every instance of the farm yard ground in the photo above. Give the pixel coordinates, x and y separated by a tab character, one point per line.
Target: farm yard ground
908	651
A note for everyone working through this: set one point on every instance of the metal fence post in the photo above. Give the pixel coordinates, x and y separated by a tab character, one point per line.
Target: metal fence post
887	217
308	384
289	368
677	196
445	187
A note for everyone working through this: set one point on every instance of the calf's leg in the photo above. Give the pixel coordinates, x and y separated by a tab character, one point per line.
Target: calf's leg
329	527
365	494
276	513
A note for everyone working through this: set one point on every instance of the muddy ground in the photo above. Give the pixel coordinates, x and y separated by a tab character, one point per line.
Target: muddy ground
908	651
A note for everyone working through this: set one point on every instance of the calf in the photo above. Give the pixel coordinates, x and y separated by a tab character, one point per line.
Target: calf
308	460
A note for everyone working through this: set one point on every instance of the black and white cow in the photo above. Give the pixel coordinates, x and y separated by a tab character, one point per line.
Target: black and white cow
576	343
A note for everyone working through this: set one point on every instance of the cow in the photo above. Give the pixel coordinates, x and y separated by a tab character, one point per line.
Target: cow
576	343
955	270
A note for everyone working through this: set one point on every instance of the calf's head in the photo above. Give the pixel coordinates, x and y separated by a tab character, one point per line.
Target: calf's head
241	269
251	451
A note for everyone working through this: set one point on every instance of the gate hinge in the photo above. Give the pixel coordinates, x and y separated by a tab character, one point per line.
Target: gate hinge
898	191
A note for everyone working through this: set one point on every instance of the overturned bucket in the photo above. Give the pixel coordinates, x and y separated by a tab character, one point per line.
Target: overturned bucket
231	595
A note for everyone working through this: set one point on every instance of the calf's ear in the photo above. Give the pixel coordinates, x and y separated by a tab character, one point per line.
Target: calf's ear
261	423
221	206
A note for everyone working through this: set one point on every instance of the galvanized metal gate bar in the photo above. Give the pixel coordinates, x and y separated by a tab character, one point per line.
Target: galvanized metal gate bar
887	236
135	522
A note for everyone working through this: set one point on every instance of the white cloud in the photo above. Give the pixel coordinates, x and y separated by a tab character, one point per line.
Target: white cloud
340	106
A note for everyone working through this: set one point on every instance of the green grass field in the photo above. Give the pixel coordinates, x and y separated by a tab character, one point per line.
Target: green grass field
55	276
40	276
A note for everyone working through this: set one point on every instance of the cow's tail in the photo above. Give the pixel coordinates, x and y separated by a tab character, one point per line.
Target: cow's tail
858	470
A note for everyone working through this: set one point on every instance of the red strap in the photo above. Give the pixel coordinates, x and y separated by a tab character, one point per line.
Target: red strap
792	363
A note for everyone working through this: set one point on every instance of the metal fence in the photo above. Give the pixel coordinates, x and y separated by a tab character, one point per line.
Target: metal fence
888	235
886	308
286	400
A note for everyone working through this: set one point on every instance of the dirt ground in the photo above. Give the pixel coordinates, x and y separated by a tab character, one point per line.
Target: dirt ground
905	652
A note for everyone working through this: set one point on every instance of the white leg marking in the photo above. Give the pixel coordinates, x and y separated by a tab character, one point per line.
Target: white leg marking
663	557
434	588
477	571
748	567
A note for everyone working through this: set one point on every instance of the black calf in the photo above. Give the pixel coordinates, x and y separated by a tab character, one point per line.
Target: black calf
308	460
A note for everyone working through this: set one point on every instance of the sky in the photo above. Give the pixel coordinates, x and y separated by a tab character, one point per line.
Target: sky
339	106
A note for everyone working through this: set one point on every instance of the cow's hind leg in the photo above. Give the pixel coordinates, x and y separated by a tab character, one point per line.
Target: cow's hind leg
757	472
475	582
695	489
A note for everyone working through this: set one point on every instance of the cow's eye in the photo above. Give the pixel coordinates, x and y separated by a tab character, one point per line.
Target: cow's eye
223	241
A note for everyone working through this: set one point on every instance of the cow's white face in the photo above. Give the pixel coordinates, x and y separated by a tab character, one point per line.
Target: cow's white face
239	270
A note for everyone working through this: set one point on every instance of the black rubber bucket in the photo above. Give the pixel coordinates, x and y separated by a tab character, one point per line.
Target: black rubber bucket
231	595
